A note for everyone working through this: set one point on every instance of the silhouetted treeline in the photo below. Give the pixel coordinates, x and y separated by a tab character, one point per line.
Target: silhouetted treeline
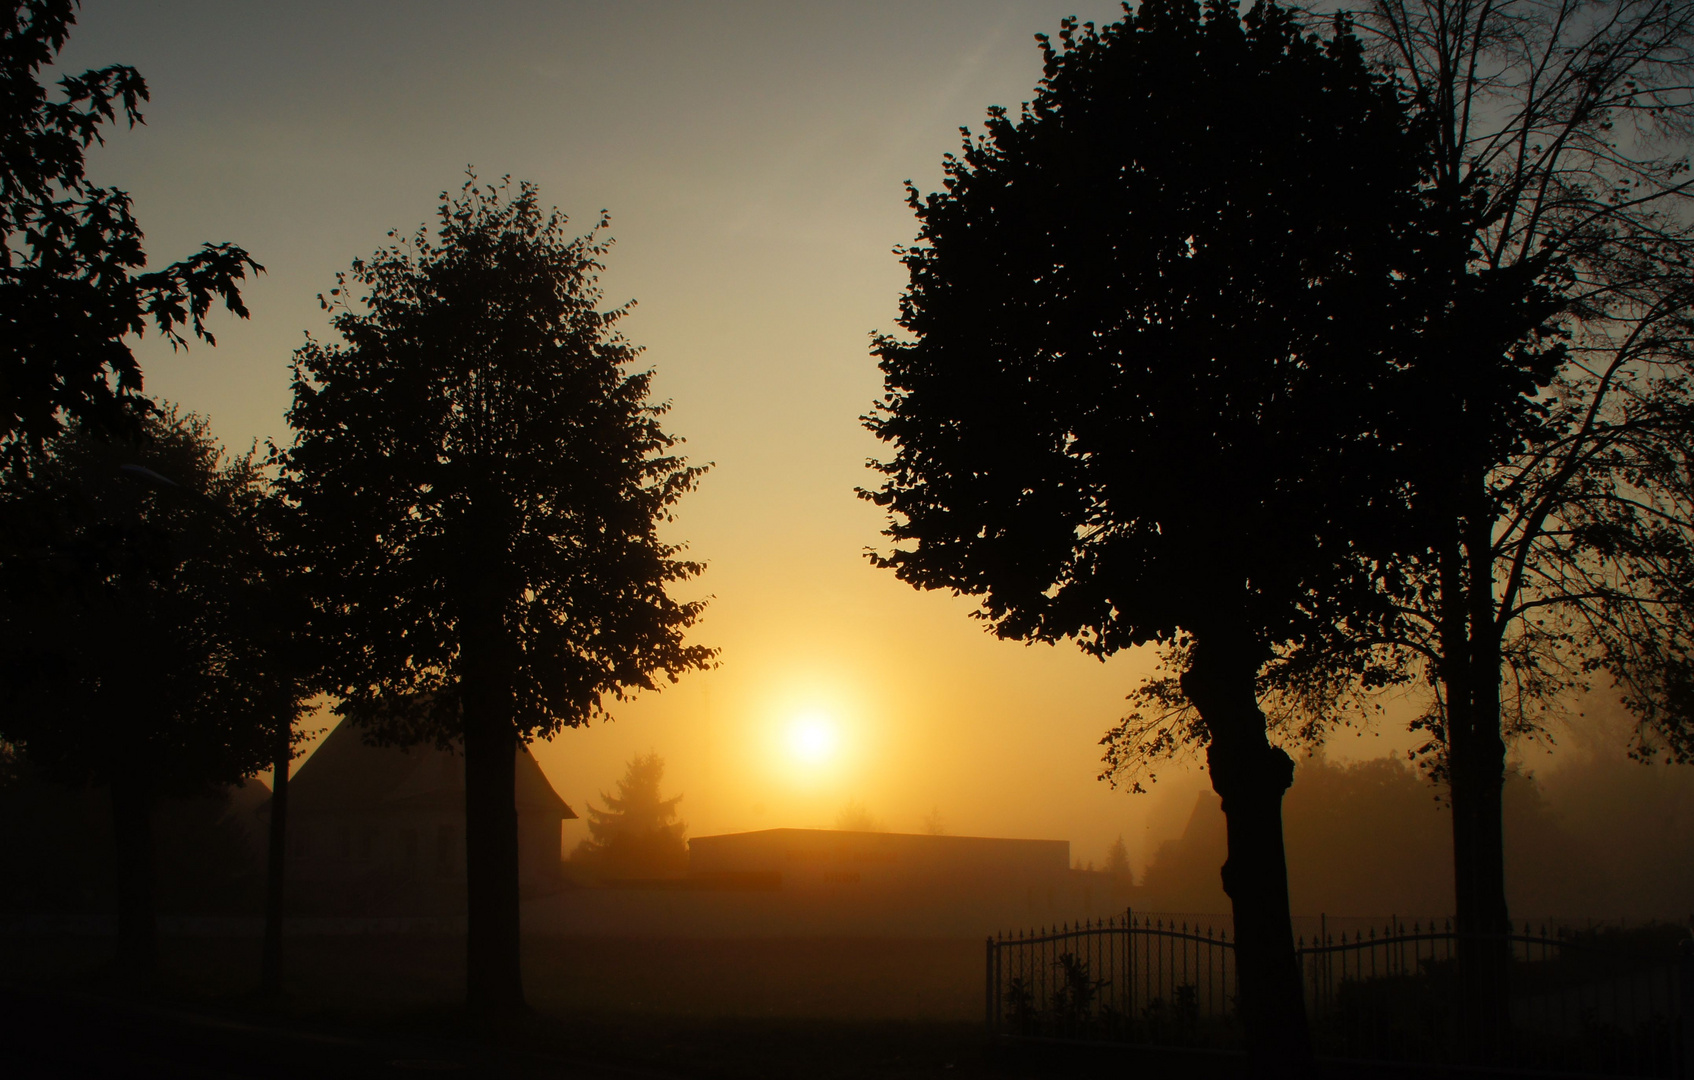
1597	836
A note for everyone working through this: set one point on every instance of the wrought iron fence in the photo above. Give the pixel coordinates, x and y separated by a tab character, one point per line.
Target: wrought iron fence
1124	979
1604	1002
1601	1002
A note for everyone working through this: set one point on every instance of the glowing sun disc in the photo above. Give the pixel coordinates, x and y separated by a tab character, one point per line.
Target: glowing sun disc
812	739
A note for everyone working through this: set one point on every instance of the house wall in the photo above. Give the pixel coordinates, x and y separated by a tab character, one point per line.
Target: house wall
383	862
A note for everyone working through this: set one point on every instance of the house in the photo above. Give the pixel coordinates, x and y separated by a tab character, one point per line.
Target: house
381	830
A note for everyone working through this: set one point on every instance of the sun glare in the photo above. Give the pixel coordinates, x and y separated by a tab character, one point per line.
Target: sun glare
812	739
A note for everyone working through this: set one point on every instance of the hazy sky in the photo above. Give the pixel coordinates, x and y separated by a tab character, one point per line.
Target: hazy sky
752	158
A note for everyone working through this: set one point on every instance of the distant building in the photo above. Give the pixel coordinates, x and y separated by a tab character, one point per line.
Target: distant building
381	830
833	882
833	859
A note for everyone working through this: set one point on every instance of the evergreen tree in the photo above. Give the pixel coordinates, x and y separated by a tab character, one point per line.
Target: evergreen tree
637	835
1117	860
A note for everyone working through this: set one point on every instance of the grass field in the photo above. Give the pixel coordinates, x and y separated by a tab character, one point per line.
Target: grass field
805	978
766	1007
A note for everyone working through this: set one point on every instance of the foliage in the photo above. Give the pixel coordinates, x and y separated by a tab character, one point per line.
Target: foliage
1149	326
1549	424
475	466
637	834
856	817
126	642
71	289
1117	860
1141	317
933	823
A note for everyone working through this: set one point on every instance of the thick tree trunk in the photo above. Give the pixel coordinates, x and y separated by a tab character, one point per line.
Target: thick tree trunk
493	969
1251	776
132	837
270	976
1476	778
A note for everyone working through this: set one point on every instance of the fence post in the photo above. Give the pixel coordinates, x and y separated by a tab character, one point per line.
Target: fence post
1129	963
1685	965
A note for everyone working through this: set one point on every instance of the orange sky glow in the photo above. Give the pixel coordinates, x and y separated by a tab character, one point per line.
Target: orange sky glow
752	158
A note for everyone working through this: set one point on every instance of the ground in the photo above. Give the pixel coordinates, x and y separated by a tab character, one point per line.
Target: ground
385	1005
601	1009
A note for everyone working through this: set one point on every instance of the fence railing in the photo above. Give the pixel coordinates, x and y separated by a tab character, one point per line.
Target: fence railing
1601	1002
1124	979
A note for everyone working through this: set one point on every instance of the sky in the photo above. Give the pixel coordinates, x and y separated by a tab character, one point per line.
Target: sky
752	157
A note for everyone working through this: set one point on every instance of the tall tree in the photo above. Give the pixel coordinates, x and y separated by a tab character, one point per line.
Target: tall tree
1547	426
482	478
1143	317
128	654
291	663
637	835
71	290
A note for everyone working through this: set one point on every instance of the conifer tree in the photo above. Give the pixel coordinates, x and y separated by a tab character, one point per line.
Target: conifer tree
637	835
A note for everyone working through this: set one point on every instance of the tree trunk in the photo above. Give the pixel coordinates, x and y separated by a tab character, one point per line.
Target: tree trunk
1476	779
493	968
270	976
132	837
1251	775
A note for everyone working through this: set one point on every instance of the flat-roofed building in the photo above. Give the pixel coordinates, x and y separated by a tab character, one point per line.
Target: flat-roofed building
831	858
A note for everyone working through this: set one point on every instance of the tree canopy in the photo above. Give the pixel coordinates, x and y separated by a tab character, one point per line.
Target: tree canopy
481	480
474	457
1146	330
128	646
1139	317
72	285
1547	426
130	656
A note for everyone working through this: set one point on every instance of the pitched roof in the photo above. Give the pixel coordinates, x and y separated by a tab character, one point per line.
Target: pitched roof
346	774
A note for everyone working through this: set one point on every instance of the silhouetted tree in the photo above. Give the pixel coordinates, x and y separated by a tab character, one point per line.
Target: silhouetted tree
933	823
637	835
1117	860
70	290
856	817
128	656
291	666
1145	317
1547	425
482	479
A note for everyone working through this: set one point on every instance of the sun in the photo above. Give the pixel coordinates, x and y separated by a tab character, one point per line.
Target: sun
812	738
